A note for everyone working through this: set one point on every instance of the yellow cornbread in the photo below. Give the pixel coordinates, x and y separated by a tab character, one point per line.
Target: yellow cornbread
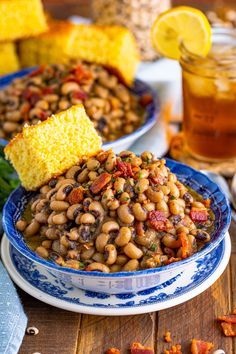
48	48
8	58
21	18
112	46
48	149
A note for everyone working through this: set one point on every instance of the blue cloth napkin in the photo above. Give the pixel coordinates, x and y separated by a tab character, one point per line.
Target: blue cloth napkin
13	320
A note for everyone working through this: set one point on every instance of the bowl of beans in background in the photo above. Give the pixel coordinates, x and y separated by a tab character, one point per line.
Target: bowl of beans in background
119	223
120	114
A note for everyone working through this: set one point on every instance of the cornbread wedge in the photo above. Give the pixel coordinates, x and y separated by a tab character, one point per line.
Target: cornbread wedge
112	46
50	47
49	148
21	18
8	59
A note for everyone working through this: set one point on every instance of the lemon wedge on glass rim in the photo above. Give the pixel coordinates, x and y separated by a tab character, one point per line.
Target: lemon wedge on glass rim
178	25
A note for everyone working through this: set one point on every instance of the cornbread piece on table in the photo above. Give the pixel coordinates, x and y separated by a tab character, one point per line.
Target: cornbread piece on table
112	46
49	148
21	18
8	58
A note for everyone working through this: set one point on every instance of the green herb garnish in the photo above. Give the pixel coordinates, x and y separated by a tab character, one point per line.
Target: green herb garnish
153	247
81	265
172	197
8	181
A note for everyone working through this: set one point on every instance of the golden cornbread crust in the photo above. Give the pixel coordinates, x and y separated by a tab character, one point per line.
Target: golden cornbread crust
8	58
111	46
48	149
21	18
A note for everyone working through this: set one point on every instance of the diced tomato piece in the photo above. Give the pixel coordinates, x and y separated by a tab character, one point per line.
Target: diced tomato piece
100	182
102	156
158	180
37	71
27	93
186	246
139	227
80	95
172	260
156	215
207	202
43	115
125	168
80	74
158	220
34	98
76	195
200	347
47	90
145	100
199	215
117	174
138	348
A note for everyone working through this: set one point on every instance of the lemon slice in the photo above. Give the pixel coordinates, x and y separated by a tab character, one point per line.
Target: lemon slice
185	25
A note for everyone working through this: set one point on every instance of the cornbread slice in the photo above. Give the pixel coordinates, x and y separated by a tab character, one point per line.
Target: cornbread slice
8	59
50	47
112	46
21	18
49	148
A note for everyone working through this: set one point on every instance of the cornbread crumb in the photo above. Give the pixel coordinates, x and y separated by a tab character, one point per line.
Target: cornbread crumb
8	58
21	18
48	149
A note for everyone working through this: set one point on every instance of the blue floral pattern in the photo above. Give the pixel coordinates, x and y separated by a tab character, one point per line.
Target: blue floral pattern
42	279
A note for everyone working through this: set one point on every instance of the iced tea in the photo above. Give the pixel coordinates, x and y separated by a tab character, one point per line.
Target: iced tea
209	99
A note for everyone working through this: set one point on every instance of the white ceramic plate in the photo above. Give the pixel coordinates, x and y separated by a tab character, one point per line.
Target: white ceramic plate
41	284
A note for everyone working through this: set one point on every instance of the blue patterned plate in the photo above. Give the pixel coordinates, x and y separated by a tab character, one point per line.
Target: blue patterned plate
39	282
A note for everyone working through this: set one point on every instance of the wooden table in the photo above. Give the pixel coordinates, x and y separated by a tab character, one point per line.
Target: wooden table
63	332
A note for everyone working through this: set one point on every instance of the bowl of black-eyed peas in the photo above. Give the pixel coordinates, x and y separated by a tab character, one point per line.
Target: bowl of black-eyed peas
119	223
120	114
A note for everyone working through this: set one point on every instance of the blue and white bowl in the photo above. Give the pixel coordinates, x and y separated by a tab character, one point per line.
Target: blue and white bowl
125	282
139	88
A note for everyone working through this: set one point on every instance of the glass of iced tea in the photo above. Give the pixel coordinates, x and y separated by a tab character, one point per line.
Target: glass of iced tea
209	98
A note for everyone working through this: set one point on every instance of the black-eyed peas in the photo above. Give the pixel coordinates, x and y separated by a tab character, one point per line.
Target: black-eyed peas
110	254
142	217
154	195
123	236
101	241
132	251
32	228
99	267
113	109
59	205
124	214
139	212
21	225
131	266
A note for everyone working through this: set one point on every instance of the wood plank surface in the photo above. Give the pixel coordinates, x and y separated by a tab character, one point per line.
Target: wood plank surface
197	318
58	329
99	333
